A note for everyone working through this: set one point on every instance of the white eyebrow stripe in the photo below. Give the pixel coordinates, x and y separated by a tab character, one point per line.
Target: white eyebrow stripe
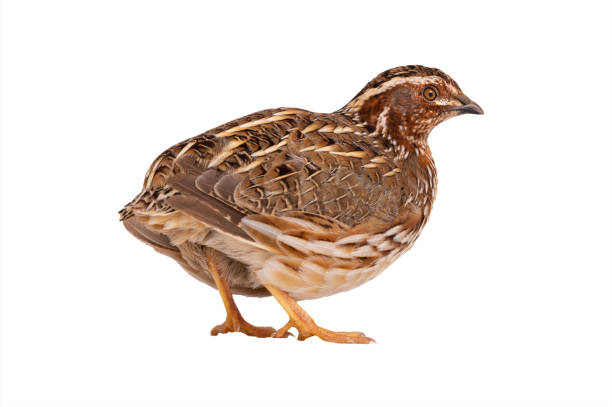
418	80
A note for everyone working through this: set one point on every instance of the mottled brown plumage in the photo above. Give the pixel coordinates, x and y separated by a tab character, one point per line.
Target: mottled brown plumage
300	204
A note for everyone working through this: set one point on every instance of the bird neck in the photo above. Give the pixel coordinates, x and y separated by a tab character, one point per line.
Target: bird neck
400	133
404	142
395	125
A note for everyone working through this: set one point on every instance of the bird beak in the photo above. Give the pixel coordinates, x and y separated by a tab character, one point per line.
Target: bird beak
467	106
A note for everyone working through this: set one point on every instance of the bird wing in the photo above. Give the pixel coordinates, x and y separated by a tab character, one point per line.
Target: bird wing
273	163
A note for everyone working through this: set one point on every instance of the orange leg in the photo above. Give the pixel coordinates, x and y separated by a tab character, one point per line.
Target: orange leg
234	322
299	319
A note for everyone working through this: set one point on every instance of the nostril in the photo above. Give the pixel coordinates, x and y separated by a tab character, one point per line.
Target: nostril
464	99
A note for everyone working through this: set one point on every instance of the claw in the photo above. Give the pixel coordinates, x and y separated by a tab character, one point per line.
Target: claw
305	325
238	324
307	330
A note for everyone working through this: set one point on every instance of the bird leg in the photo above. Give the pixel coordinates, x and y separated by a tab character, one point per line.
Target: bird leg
234	322
300	320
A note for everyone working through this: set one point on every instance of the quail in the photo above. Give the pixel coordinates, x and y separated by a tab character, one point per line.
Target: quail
300	205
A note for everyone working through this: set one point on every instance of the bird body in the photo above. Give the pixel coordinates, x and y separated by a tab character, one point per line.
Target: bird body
298	204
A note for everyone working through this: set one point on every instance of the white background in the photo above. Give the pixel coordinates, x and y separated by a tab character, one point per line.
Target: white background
504	300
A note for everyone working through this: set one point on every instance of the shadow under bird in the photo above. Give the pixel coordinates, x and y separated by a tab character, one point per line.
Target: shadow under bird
300	205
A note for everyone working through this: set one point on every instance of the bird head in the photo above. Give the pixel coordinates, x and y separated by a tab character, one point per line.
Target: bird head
404	104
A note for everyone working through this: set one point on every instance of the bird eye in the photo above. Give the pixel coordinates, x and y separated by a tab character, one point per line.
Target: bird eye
430	93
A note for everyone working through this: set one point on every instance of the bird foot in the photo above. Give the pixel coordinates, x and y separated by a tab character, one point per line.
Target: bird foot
306	329
238	324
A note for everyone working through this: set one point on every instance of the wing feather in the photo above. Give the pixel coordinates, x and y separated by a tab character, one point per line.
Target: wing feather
204	207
